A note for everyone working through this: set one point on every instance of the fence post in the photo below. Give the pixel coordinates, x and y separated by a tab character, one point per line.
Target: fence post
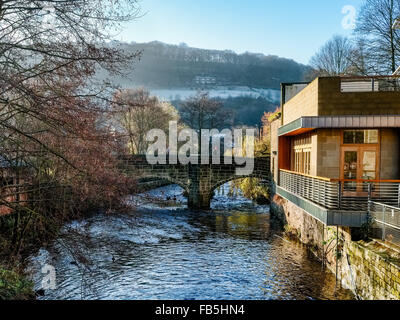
369	195
398	196
340	195
384	223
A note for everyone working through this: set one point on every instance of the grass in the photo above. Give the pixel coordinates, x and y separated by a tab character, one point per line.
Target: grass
15	286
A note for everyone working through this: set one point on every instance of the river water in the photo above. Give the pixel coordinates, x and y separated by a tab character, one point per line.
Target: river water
164	251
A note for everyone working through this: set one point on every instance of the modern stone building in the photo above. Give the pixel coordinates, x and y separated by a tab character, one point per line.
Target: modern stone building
335	152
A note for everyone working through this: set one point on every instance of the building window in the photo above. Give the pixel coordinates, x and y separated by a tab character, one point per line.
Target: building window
302	154
302	161
360	137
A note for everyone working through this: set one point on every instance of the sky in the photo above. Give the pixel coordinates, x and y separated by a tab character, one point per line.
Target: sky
293	29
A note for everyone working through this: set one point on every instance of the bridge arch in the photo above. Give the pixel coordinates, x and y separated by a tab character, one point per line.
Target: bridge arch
184	186
233	178
198	180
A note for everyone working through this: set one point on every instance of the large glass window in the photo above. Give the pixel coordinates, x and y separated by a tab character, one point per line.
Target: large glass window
301	149
360	137
302	161
350	170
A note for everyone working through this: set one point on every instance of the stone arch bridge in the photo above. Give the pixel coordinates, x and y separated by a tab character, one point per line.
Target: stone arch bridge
198	180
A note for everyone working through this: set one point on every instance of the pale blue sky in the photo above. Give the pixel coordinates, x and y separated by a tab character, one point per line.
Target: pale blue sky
288	28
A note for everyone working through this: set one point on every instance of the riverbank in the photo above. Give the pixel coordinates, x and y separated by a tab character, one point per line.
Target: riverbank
14	285
370	269
15	282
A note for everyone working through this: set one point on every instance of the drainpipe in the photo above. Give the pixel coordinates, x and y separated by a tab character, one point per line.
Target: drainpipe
337	253
283	100
340	195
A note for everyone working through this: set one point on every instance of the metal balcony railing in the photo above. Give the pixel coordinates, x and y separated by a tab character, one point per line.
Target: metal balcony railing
319	190
370	84
385	222
334	194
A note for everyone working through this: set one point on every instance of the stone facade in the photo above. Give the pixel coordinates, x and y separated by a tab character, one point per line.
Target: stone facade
323	97
390	154
328	153
370	270
331	101
199	181
305	103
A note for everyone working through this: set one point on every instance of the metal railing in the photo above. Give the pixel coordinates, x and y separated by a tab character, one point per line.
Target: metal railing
316	189
370	84
385	222
337	194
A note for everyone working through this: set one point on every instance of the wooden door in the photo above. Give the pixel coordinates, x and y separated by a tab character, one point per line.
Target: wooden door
358	164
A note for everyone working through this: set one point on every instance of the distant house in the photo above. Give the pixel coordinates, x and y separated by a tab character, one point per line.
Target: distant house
9	185
205	80
336	146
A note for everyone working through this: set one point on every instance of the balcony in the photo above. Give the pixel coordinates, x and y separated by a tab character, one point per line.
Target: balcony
337	202
370	84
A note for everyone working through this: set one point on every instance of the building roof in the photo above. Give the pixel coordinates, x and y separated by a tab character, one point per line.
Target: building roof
305	124
10	163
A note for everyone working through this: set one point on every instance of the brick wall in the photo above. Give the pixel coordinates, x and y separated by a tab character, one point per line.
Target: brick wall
323	97
390	149
331	101
328	153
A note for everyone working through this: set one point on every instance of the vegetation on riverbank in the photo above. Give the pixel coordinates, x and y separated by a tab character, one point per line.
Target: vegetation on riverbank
58	153
14	286
25	232
253	188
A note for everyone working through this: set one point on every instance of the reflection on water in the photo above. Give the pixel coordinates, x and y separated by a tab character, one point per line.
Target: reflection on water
233	252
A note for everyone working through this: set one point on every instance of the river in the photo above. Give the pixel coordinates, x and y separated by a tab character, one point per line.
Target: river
164	251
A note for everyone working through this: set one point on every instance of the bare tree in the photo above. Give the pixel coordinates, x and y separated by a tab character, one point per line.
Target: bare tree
202	112
382	42
333	58
50	52
359	64
50	103
137	113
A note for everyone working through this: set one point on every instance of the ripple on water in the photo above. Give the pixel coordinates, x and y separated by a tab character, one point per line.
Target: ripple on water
231	252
